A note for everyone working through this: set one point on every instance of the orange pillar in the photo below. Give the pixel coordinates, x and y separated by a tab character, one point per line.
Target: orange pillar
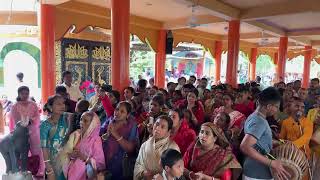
48	65
161	60
233	52
281	65
120	13
253	62
217	57
275	62
275	59
306	66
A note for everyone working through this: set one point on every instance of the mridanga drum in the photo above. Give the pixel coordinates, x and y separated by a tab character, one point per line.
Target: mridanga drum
294	160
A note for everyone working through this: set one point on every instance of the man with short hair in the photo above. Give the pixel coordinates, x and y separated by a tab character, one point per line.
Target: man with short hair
181	82
73	90
70	104
192	79
202	86
258	140
20	77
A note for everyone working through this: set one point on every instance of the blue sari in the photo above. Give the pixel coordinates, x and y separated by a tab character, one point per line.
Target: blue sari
53	138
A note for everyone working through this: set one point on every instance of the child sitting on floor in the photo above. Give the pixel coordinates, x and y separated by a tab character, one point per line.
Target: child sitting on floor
172	164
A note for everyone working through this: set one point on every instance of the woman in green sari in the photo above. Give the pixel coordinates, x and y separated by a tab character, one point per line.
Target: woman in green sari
53	134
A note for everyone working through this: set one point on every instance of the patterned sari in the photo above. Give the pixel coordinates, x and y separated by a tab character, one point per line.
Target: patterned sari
215	162
236	118
53	138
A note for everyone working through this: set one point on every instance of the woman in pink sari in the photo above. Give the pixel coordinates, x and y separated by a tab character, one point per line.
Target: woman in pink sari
26	110
85	150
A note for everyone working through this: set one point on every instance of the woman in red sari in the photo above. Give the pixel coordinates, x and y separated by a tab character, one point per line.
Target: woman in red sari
181	133
146	119
196	108
210	156
244	104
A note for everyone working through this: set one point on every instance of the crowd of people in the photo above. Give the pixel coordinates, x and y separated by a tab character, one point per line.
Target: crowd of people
184	131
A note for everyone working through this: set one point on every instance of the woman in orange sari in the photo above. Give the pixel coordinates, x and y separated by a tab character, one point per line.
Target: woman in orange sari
210	156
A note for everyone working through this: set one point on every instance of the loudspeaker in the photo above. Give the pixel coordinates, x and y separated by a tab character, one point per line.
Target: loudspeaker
169	42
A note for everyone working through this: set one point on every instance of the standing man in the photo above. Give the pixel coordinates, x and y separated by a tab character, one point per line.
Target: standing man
258	140
73	91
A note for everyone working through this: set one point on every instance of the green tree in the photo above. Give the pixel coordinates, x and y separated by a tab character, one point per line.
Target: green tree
264	65
140	61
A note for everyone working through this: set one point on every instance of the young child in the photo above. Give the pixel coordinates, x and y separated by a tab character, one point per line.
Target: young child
172	164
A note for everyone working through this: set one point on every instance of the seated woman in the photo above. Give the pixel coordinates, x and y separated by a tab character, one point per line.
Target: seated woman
222	121
53	133
244	103
120	139
236	118
210	156
181	133
146	119
84	150
172	164
196	108
147	164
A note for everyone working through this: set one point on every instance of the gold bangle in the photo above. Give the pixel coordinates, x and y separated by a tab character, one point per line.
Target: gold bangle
119	139
49	172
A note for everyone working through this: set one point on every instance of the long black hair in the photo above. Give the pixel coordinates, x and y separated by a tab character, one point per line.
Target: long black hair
20	89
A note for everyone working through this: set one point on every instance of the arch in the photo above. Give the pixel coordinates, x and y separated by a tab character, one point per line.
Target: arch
22	46
265	68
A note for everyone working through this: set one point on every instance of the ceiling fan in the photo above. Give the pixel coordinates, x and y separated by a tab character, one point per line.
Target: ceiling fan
264	40
306	50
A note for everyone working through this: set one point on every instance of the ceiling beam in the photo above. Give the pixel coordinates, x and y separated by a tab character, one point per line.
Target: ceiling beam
18	18
267	28
184	22
300	41
280	9
308	32
54	2
315	43
256	35
275	45
194	33
219	8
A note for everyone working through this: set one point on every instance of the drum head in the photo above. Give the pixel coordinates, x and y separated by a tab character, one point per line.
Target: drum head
292	169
